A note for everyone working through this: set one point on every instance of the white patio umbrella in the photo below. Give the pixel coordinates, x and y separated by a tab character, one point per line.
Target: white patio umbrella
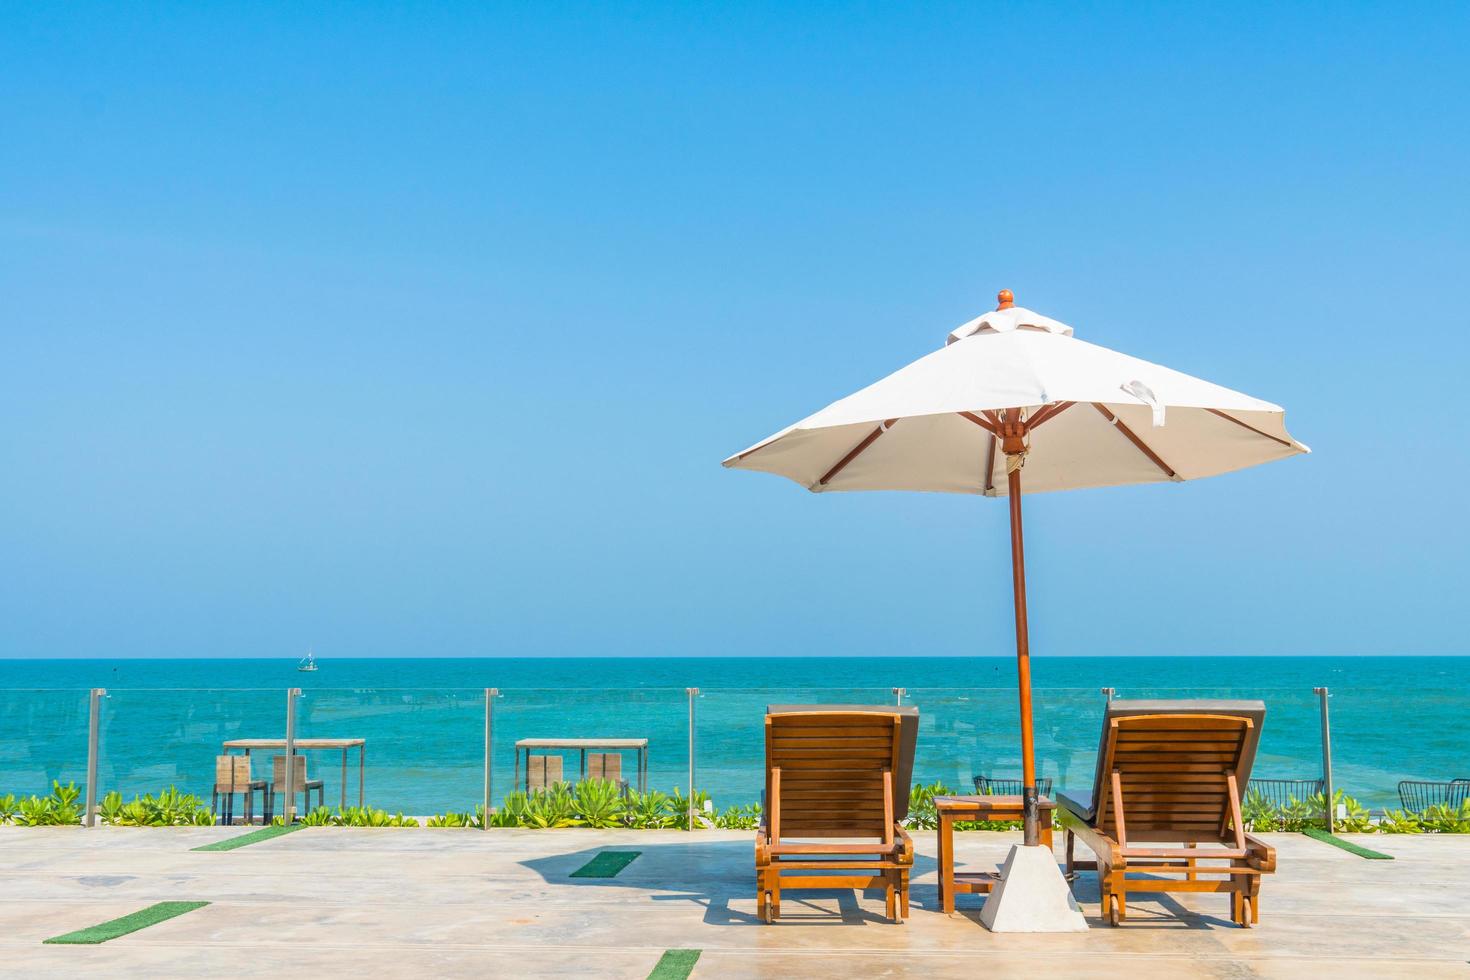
1014	392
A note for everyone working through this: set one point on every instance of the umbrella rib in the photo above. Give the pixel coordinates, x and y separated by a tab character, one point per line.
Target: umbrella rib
978	421
1048	412
1137	442
1246	425
990	466
856	451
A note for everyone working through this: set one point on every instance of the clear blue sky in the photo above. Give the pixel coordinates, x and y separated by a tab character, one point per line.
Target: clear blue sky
423	330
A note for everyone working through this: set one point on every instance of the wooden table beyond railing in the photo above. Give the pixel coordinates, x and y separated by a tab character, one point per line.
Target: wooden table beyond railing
309	744
638	745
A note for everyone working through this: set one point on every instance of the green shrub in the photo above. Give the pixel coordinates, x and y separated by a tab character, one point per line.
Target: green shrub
679	809
8	806
353	816
740	818
57	810
648	811
552	808
598	803
922	814
451	819
1445	819
1400	822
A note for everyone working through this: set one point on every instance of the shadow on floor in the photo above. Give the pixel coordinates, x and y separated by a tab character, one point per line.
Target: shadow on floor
712	873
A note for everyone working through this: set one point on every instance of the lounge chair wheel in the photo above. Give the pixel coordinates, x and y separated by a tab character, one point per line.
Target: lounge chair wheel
1245	912
1110	911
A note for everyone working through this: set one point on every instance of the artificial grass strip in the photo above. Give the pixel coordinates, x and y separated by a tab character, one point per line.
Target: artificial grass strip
675	964
141	919
1346	845
254	837
606	864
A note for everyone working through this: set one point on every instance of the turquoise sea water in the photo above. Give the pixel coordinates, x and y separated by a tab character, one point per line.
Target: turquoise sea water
1392	717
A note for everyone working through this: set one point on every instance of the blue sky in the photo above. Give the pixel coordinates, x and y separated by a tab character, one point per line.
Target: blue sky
423	330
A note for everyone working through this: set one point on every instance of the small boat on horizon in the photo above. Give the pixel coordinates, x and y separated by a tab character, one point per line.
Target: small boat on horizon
308	662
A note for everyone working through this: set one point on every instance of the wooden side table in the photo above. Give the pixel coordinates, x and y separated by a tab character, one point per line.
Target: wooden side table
952	808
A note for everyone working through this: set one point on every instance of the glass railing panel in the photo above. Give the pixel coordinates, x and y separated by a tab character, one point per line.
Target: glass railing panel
152	739
43	739
732	737
1414	732
414	751
967	733
647	730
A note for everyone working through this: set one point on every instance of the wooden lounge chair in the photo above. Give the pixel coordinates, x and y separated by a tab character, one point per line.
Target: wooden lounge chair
837	782
231	778
1171	773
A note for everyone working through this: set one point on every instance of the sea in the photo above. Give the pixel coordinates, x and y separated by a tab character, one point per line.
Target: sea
423	721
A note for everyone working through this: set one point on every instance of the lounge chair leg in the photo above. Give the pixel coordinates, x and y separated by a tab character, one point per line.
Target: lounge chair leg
1236	904
1192	862
1071	859
775	894
903	893
888	896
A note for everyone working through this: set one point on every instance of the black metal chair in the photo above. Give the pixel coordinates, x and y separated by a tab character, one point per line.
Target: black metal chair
1417	795
990	786
1280	792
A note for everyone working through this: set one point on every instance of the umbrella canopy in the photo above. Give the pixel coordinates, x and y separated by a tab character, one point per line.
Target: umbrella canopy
1013	390
1097	418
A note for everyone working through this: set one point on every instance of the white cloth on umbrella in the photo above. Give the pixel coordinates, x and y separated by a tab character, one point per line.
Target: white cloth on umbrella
1015	358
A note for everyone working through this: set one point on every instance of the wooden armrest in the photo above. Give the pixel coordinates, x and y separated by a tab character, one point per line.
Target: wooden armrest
905	843
1259	854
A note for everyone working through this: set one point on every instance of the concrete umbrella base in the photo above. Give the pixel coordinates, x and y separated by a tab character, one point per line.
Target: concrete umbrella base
1032	896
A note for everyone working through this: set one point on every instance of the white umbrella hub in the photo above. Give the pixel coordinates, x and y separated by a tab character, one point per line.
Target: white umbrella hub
1082	415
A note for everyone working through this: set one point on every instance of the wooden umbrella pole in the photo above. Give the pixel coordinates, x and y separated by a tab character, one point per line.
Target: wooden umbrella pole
1013	436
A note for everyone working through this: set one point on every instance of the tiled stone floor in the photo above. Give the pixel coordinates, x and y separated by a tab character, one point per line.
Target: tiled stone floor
472	903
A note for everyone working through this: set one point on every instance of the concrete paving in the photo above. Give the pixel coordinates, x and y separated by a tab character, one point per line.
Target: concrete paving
404	902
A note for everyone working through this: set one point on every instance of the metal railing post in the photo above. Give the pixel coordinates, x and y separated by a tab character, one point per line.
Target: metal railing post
94	728
288	810
1330	803
692	693
898	693
491	694
1109	692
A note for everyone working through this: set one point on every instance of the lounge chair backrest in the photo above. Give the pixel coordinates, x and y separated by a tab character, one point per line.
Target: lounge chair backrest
544	771
231	773
1175	772
605	765
832	766
1122	707
908	724
278	773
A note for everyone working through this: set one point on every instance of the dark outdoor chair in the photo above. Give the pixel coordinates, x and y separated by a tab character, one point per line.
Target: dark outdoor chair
1416	795
989	786
1280	792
